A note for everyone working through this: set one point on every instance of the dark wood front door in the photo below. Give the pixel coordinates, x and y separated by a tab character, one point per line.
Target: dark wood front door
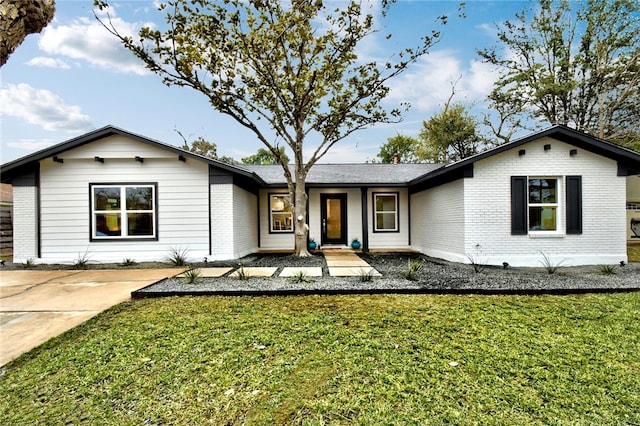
333	214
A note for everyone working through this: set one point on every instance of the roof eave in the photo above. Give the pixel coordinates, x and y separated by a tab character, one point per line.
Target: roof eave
13	168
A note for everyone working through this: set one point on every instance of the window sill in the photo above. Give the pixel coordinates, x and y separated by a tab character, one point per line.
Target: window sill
546	235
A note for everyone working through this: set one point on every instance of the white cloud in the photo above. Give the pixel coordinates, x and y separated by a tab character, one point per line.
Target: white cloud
32	144
41	61
88	40
427	84
42	108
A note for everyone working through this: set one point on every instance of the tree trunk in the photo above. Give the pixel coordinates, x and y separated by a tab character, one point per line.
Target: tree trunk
19	19
300	214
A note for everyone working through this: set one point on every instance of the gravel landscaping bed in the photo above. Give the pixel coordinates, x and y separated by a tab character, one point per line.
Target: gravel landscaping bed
436	276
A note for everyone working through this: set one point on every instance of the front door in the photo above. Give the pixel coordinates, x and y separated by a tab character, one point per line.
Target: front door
333	212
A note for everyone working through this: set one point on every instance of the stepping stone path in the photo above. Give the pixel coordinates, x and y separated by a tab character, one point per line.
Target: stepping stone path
308	271
347	264
341	263
255	272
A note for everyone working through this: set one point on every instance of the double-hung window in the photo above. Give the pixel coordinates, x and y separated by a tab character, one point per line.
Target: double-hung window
281	213
385	212
123	211
539	203
543	204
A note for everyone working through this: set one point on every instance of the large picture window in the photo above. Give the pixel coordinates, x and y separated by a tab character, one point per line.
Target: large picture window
281	213
543	204
385	212
123	211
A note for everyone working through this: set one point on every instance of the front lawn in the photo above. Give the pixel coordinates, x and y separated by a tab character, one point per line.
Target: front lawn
338	360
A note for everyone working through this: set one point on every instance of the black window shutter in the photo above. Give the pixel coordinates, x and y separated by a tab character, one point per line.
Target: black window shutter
574	204
518	205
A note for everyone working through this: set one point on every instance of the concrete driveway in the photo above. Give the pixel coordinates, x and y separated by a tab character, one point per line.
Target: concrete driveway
38	305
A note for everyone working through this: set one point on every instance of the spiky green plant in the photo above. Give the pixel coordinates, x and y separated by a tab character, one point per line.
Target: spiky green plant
300	277
128	262
192	276
178	256
548	264
414	267
28	264
608	269
366	274
82	261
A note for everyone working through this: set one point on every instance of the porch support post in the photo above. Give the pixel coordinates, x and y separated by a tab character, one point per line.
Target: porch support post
365	220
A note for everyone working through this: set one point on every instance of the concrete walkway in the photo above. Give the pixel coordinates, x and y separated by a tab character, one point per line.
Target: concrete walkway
38	305
345	263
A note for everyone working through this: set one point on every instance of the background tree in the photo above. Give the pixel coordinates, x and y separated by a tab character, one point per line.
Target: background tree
579	67
203	147
449	136
274	69
264	156
403	146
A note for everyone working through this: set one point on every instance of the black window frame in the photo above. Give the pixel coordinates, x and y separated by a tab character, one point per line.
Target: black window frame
121	238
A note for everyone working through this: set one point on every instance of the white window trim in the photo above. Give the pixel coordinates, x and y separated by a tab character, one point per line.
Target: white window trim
395	195
559	205
123	212
271	212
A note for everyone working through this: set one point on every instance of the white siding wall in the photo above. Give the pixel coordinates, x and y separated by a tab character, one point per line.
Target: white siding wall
65	201
245	226
272	241
25	223
389	240
488	208
437	221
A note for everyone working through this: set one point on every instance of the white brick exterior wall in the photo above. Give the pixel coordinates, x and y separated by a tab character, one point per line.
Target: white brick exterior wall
245	226
438	221
488	208
25	223
222	221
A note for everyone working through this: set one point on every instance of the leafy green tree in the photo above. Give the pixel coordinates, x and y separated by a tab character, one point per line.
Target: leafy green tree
448	136
402	146
202	147
264	156
274	69
572	63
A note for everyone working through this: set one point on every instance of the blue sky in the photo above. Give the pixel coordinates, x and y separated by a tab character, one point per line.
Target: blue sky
74	77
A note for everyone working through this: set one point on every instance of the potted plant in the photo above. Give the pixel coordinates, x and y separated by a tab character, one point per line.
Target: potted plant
355	244
312	244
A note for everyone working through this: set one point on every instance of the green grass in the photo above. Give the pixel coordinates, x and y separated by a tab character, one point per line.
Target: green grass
338	360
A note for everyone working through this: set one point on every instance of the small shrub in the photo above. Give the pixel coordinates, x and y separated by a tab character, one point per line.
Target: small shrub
82	262
241	274
300	277
551	267
413	269
28	264
365	275
128	262
178	256
479	266
192	276
608	270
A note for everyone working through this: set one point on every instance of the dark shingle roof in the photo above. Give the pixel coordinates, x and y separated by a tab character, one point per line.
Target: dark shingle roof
347	174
